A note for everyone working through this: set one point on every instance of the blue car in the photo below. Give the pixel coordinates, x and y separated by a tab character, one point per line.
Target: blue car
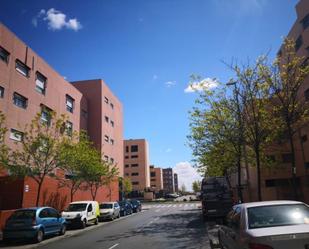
125	208
34	223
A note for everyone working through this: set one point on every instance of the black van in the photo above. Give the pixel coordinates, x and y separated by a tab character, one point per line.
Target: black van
216	197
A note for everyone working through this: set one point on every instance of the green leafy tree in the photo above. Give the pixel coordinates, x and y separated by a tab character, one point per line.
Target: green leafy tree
196	186
110	177
3	148
183	189
38	153
286	77
127	186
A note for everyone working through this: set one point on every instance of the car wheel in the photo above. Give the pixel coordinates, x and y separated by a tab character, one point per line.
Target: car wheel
84	223
39	236
124	213
63	230
96	222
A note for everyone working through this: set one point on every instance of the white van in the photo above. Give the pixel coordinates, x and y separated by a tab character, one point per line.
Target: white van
82	213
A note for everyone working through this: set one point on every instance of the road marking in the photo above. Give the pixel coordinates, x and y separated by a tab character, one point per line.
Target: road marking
169	205
113	246
180	205
174	206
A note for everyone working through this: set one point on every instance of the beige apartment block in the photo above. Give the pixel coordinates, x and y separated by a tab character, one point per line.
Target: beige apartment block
136	163
156	178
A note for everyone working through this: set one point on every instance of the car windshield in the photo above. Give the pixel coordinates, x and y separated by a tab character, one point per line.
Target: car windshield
122	203
106	206
134	202
278	215
23	214
76	207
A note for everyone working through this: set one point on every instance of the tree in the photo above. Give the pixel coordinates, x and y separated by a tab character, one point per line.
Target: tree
196	186
183	188
3	148
38	153
256	122
81	163
126	185
286	77
110	177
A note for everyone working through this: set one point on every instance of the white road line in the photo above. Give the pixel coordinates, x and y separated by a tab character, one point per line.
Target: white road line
192	205
169	205
113	246
186	205
158	210
174	206
180	205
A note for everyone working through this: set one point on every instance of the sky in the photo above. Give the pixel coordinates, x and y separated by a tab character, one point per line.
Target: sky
146	50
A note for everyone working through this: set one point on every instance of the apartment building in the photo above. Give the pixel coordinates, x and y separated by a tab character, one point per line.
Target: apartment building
176	182
168	181
276	183
136	163
28	85
156	178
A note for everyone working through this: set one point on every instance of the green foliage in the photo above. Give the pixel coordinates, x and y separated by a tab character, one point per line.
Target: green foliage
3	148
127	186
196	186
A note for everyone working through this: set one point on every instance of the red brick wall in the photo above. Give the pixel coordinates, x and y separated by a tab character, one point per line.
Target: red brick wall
58	197
11	193
4	215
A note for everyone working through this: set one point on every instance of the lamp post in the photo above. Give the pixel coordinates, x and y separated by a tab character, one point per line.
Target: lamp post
240	138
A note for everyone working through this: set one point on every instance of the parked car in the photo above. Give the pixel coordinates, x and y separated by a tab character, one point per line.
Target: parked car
109	210
125	208
216	197
266	225
82	213
34	223
137	206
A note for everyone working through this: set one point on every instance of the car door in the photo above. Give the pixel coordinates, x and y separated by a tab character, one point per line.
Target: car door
226	230
117	208
46	220
90	212
54	219
234	233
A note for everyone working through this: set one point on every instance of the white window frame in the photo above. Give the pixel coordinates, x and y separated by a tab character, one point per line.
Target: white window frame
22	68
16	135
40	83
106	138
1	92
69	102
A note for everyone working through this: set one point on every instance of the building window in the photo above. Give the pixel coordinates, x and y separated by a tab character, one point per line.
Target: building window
287	157
106	138
112	141
307	95
298	43
134	156
69	103
112	105
153	174
45	114
40	83
20	100
153	180
134	165
305	22
1	92
126	157
4	55
69	128
112	160
112	123
22	68
127	166
134	174
153	186
134	148
106	119
135	183
127	149
127	174
106	158
106	100
16	135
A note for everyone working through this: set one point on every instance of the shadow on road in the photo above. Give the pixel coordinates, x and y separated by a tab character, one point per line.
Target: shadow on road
179	230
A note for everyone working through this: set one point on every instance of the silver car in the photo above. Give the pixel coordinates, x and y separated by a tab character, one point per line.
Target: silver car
109	211
266	225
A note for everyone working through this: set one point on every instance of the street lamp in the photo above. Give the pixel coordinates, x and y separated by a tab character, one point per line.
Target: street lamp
240	137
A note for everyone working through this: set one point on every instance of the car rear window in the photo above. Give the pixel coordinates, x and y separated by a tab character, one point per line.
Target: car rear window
76	207
277	215
106	206
23	214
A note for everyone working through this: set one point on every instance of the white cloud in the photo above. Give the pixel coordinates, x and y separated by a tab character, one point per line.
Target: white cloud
170	84
186	174
56	20
199	86
168	150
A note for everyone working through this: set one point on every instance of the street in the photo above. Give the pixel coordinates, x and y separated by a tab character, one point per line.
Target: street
157	226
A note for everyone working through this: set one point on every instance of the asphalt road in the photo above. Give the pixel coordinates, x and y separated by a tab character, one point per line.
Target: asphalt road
162	226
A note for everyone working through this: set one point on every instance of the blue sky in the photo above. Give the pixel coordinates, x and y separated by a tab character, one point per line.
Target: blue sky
146	51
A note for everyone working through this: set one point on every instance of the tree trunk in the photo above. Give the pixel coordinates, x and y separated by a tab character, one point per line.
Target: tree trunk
258	168
39	192
72	193
239	187
293	163
110	192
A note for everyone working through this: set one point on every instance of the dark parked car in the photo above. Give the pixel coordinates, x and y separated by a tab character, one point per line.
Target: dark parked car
137	206
125	208
34	223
